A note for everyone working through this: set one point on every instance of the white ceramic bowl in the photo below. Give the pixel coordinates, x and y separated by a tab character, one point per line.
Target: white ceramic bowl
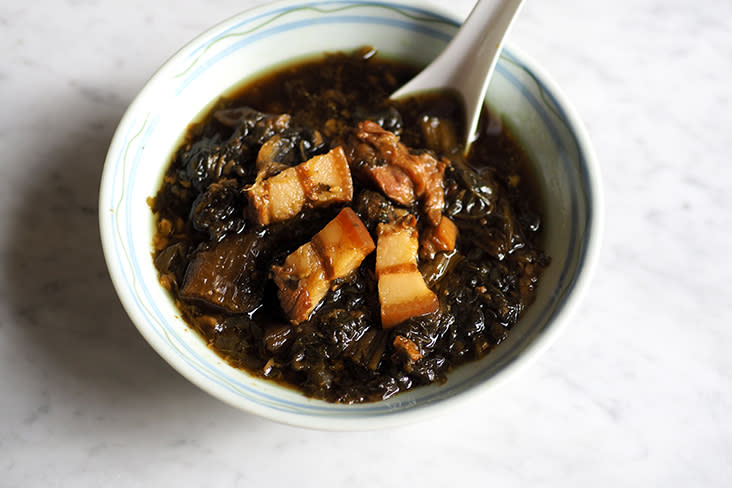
251	42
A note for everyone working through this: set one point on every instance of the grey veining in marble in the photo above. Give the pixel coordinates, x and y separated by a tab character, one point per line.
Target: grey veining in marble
637	392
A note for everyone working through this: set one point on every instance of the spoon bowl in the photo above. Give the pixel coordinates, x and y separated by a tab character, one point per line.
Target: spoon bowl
466	65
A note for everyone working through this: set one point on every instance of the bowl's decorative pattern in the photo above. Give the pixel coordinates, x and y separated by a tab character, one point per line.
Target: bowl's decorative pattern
122	207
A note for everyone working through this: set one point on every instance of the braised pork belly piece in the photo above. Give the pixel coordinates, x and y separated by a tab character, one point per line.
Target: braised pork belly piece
284	149
442	237
402	291
302	282
321	181
401	175
305	277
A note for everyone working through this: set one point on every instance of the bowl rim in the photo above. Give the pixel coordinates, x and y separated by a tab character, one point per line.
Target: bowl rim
537	346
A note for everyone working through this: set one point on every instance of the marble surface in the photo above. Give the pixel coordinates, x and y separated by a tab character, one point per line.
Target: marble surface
637	392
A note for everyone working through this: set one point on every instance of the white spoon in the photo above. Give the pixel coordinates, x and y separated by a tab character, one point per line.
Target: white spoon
466	64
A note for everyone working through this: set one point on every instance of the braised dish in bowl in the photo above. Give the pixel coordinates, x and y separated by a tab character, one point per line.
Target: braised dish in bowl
306	250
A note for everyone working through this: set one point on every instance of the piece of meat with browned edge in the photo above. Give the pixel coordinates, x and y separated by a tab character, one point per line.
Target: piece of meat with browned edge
305	277
442	237
402	291
322	180
407	347
401	175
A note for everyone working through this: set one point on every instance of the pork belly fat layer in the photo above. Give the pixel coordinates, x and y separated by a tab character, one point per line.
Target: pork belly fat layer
307	274
321	181
301	282
343	244
402	291
404	295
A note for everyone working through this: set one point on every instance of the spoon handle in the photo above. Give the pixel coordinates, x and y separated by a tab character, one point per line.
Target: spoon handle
467	62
